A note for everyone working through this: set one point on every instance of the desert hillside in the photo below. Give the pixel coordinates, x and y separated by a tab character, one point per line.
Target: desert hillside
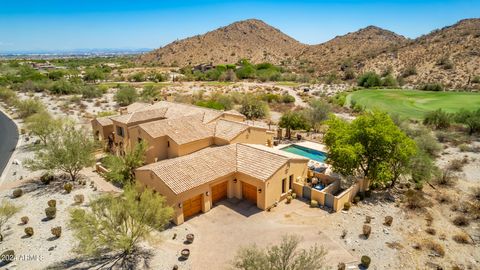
252	39
450	55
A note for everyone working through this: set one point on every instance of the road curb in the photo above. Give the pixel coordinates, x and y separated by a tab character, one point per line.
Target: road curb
19	142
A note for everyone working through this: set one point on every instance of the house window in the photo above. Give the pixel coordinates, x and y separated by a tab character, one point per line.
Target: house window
284	182
290	181
139	140
168	143
120	131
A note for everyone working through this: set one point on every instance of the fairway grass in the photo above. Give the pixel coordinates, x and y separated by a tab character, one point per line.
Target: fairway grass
414	104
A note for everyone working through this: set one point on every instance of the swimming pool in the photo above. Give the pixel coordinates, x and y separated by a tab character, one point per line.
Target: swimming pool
306	152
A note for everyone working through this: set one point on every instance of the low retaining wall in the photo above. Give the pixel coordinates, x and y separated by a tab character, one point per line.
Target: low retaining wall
100	169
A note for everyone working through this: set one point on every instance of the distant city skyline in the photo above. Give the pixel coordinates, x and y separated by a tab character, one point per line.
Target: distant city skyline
56	25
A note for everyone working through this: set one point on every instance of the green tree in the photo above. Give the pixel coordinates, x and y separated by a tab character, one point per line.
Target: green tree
94	74
318	112
7	210
117	224
439	119
126	95
422	167
293	120
56	75
469	118
91	91
121	168
70	150
286	256
253	108
371	145
43	125
149	93
389	81
369	79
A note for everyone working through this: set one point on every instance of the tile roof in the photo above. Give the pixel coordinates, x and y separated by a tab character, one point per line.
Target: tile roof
104	121
181	130
140	116
184	173
228	130
179	109
136	106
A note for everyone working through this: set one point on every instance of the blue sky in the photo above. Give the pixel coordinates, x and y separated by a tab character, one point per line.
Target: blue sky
67	25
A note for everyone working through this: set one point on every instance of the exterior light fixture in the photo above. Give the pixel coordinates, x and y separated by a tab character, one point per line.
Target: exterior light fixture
259	190
235	180
179	205
207	193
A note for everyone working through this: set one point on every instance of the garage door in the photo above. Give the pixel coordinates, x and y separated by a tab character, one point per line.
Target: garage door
219	192
192	206
249	192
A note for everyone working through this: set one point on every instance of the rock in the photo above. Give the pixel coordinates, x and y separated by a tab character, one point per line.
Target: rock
51	248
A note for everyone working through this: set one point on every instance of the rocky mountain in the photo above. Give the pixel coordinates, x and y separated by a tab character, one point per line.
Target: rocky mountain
347	52
450	56
251	39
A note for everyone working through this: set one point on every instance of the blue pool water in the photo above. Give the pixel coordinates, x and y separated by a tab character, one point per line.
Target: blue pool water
306	152
319	186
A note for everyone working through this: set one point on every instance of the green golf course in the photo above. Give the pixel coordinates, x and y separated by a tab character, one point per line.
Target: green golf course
414	104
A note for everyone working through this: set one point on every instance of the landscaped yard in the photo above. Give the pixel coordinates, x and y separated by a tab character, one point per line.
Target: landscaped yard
412	103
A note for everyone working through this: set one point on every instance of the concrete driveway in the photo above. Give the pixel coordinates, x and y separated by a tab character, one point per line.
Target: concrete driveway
233	224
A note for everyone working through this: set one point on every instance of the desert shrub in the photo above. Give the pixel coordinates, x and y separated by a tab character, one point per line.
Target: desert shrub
435	247
57	231
29	231
24	220
461	221
356	199
79	198
52	203
17	193
367	230
432	87
294	195
126	95
346	206
289	199
8	256
288	98
443	198
313	203
51	212
461	238
388	220
415	199
29	107
410	70
46	178
368	219
341	266
365	261
439	119
431	231
445	177
369	79
464	147
456	165
68	187
91	91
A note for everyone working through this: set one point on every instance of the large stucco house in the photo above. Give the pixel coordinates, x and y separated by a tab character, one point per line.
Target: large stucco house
196	156
252	172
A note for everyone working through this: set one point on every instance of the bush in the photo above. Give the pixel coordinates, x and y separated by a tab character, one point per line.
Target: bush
57	231
68	187
52	203
432	87
346	206
461	238
17	193
415	199
29	231
365	261
8	256
438	119
435	247
341	266
294	195
445	177
126	95
51	212
443	198
288	98
431	231
409	71
456	165
313	203
368	219
369	79
367	230
356	199
461	221
388	220
46	178
79	198
91	91
24	220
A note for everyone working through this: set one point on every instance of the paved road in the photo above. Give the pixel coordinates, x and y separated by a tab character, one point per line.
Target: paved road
8	140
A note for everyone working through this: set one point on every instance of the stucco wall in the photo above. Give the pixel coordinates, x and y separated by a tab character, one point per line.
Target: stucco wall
253	135
103	131
231	117
191	147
